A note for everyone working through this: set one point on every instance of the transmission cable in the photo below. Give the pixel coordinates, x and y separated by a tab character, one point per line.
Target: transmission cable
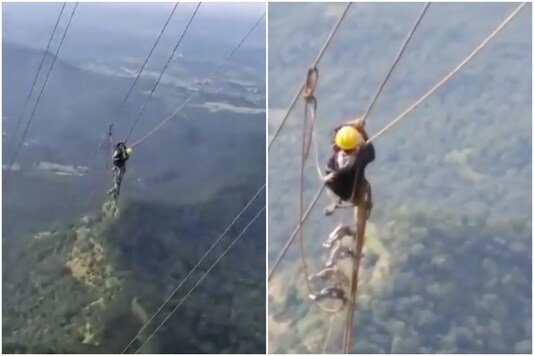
201	279
163	72
27	100
175	290
25	131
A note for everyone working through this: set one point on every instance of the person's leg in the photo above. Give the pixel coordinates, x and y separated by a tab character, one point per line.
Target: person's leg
329	293
338	253
117	179
339	232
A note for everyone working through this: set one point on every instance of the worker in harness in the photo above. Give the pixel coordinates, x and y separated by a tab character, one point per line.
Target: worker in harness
120	156
346	167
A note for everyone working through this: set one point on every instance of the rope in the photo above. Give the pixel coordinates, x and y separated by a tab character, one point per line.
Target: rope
397	59
163	71
367	111
294	233
123	103
26	128
310	107
149	55
328	333
314	65
381	86
210	77
38	70
362	219
171	295
391	124
310	110
138	76
291	106
201	279
448	76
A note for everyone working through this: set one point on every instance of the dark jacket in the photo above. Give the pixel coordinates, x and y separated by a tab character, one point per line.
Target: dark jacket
120	156
345	178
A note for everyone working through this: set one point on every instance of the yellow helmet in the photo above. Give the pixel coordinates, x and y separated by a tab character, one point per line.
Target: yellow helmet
348	138
129	150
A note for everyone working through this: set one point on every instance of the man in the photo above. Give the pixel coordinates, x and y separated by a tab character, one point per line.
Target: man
120	156
346	167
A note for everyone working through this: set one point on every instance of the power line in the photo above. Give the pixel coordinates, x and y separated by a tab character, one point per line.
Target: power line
38	70
163	71
201	279
210	77
315	63
25	132
171	295
403	115
149	55
130	90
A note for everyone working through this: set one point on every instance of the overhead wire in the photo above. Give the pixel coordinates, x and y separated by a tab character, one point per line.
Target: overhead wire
284	119
314	64
27	100
138	76
184	32
126	97
210	77
177	288
391	124
362	216
32	115
510	17
156	42
367	112
450	75
201	279
396	61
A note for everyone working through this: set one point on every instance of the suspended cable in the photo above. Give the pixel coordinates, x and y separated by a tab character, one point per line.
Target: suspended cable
451	74
391	124
163	71
201	279
173	293
397	58
27	100
315	63
149	55
25	131
210	77
310	107
126	97
294	233
362	215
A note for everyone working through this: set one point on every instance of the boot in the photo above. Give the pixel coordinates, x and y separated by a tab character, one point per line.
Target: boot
339	232
335	293
338	253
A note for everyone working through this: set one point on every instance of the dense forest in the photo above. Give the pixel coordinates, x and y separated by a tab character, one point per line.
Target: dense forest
100	279
81	275
447	266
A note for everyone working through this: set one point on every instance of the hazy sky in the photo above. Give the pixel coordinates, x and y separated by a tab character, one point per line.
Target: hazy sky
252	8
30	23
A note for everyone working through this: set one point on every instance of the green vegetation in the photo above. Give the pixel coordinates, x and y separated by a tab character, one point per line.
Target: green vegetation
89	287
452	182
97	281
